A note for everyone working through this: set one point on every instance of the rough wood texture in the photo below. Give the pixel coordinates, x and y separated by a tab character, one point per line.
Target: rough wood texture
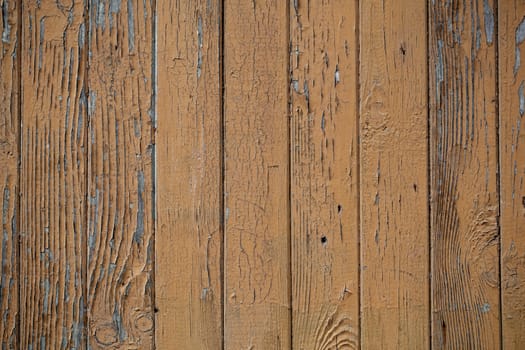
9	139
120	216
511	37
189	161
324	192
52	180
465	263
256	198
394	181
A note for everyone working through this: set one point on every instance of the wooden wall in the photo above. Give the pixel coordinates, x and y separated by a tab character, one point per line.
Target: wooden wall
262	174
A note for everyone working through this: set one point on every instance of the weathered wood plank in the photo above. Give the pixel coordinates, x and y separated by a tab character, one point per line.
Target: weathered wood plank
325	188
120	143
394	181
463	154
9	143
52	177
511	37
257	236
189	290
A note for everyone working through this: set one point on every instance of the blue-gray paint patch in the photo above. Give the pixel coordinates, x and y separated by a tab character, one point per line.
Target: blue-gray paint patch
485	308
199	44
519	38
522	98
131	27
139	232
114	8
82	35
489	21
6	32
45	286
117	320
337	77
41	41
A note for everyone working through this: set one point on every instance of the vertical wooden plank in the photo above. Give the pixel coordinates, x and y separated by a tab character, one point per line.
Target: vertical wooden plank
189	161
511	35
52	183
324	192
464	162
394	180
9	141
120	184
257	242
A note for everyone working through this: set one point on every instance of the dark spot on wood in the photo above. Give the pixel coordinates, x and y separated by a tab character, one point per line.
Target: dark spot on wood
523	201
156	309
403	49
415	188
339	208
324	239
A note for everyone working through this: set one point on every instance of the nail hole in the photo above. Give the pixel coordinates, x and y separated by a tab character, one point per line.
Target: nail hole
339	208
324	239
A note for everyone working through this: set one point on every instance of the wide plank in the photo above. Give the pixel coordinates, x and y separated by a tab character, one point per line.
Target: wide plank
256	175
53	175
511	37
9	156
120	249
189	243
324	175
394	178
464	167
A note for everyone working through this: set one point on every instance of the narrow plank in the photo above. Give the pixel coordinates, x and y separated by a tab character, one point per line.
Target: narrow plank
189	161
464	162
256	179
394	180
511	35
325	183
9	141
120	184
52	178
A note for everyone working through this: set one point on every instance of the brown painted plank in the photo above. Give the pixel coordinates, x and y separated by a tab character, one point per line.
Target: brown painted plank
394	181
189	160
9	141
465	263
511	37
257	241
325	184
52	177
120	184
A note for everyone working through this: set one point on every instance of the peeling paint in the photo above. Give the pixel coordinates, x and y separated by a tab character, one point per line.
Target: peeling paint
337	77
41	46
81	35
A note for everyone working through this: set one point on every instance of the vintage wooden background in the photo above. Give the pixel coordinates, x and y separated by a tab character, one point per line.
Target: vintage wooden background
262	174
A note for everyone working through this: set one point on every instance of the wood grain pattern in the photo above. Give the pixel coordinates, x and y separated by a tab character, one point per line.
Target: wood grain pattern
120	143
256	198
52	175
324	192
394	181
9	143
189	161
463	102
511	35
